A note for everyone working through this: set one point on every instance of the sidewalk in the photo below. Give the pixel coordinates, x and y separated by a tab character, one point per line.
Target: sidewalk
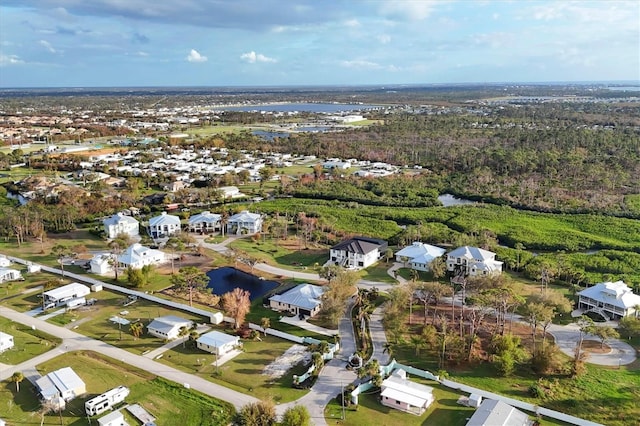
307	326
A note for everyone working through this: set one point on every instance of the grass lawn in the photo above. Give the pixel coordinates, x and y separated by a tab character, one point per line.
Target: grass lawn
28	343
378	273
170	403
93	321
287	254
216	130
258	312
244	372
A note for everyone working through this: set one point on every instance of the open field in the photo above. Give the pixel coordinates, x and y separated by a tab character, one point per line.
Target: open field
218	129
28	342
244	372
288	254
169	402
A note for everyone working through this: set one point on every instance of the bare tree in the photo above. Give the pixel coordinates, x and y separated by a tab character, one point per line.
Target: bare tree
190	279
236	304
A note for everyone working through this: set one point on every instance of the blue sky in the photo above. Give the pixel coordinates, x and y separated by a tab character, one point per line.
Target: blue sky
51	43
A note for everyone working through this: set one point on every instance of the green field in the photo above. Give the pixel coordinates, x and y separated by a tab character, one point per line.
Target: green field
244	372
28	342
170	403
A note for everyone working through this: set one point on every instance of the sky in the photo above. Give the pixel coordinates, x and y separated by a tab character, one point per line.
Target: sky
134	43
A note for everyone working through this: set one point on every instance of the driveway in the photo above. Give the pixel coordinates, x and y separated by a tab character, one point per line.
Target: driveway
568	336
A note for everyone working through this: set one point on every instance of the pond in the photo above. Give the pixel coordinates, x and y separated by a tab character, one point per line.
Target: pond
223	280
449	200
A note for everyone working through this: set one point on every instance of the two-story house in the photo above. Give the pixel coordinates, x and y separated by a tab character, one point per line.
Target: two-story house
358	252
473	261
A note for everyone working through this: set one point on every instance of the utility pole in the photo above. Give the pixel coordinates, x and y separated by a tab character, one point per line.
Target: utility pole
342	386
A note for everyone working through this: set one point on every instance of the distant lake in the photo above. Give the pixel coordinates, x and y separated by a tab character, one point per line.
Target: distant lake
626	88
224	280
449	200
303	107
270	135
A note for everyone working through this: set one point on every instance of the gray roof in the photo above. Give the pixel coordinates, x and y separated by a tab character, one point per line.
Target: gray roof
472	253
164	218
59	381
206	217
306	296
168	323
119	217
360	245
616	294
217	339
497	413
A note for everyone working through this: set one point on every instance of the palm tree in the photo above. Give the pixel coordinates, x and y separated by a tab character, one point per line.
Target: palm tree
183	332
136	329
60	252
16	378
387	348
265	323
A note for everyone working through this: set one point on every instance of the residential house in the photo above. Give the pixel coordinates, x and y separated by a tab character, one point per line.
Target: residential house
230	192
244	223
61	295
137	256
304	299
112	419
60	386
419	255
205	222
497	413
164	226
473	261
121	224
101	264
612	300
6	342
168	327
8	274
217	343
357	252
402	394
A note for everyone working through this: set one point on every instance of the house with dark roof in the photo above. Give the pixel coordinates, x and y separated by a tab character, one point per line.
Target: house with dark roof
304	299
358	252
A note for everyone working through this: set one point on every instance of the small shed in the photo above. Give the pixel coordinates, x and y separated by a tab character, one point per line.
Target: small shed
217	318
112	419
6	341
474	400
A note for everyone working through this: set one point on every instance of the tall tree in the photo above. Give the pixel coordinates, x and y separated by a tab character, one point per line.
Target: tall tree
17	378
236	304
190	279
60	252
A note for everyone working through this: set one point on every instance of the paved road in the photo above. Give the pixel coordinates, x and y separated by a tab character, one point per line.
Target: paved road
73	341
378	337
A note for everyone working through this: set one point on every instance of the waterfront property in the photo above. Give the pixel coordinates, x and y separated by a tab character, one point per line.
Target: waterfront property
217	343
357	252
473	261
244	223
419	255
168	327
224	280
121	224
304	299
205	222
60	386
612	300
164	226
402	394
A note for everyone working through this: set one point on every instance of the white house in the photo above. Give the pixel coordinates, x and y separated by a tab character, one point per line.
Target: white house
402	394
205	222
217	343
164	226
61	295
137	256
304	299
473	261
419	255
60	386
101	264
357	252
230	192
121	224
6	341
168	327
112	419
611	300
497	413
244	223
8	274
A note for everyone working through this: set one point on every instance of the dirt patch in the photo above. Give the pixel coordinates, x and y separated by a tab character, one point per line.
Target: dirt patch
200	262
595	347
292	356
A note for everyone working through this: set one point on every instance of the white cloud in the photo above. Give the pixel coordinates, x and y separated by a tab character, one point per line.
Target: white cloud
358	63
253	57
195	56
141	53
415	10
10	60
352	23
384	38
48	46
